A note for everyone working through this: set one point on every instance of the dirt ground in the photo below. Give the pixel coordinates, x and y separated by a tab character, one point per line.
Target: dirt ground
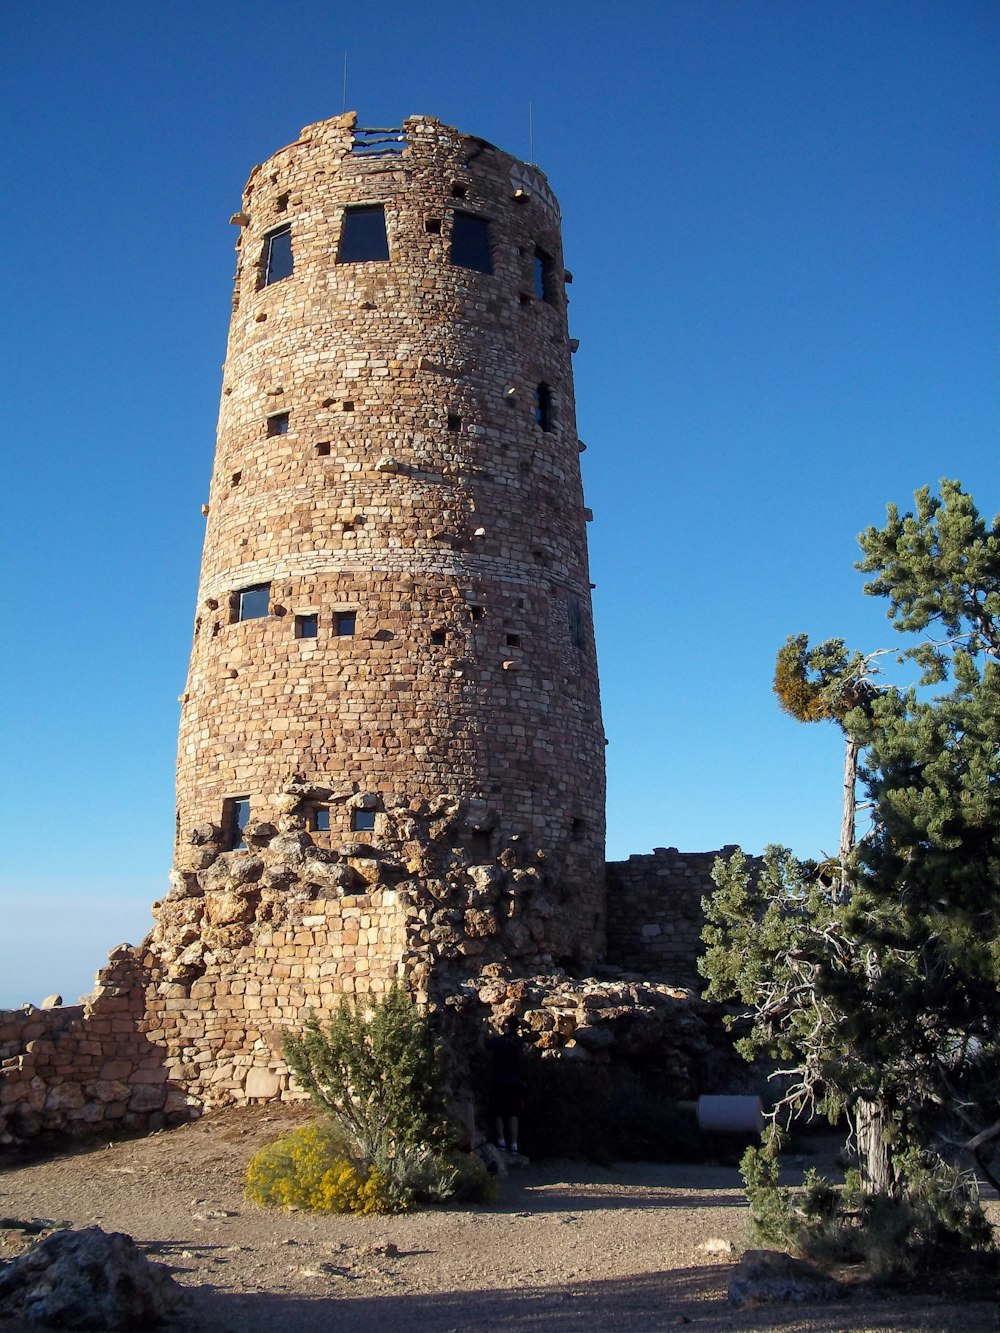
567	1247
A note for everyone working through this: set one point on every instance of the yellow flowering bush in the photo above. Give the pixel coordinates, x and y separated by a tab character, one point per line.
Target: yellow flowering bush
311	1168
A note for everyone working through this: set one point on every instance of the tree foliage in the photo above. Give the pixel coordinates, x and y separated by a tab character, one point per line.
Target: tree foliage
881	995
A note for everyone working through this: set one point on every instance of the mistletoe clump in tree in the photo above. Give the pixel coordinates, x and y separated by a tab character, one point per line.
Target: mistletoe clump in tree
877	982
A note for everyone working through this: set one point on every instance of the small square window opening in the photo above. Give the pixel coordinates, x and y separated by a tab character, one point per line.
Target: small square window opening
277	259
458	191
319	819
253	603
345	622
476	612
323	449
454	421
277	424
513	640
363	238
433	225
438	636
306	627
470	242
577	828
362	821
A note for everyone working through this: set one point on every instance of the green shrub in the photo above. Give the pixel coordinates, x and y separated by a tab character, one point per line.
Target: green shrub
935	1220
377	1068
311	1168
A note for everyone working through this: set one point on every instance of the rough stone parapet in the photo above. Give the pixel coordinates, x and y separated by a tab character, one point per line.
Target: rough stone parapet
654	911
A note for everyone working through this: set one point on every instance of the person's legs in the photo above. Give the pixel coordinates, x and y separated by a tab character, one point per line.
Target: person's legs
512	1126
501	1141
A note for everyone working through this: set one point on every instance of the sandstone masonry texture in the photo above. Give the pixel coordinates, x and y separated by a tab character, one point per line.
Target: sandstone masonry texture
397	442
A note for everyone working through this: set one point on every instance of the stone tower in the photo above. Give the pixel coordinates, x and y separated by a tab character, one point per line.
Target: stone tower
394	600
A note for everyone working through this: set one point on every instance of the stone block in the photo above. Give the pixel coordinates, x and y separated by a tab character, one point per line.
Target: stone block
263	1083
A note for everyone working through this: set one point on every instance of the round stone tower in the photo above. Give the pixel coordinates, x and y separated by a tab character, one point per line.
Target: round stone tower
394	598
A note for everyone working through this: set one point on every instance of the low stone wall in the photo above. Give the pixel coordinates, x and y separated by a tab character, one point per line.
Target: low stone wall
248	943
654	911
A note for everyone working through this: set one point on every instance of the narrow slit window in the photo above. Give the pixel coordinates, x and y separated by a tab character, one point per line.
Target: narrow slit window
542	269
470	242
543	406
577	829
277	256
362	821
363	238
277	423
253	603
574	614
235	817
306	627
345	623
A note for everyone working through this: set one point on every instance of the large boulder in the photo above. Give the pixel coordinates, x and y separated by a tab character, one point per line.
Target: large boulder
89	1279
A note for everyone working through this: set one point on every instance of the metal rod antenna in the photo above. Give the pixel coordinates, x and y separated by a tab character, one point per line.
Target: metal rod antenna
531	134
345	82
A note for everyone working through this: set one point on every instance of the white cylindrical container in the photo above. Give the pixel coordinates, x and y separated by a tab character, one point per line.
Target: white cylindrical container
730	1115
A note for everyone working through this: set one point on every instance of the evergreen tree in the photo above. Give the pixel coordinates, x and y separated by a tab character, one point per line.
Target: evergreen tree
879	986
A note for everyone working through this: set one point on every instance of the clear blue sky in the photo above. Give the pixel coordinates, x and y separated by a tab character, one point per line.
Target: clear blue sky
781	218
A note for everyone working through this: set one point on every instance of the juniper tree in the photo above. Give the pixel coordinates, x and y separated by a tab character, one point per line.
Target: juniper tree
881	990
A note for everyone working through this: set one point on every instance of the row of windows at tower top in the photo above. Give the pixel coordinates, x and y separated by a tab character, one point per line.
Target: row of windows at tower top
363	240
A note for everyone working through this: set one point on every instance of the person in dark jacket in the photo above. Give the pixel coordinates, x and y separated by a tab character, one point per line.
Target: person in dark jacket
507	1091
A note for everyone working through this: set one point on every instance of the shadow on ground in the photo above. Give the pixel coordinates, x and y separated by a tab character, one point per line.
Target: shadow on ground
646	1303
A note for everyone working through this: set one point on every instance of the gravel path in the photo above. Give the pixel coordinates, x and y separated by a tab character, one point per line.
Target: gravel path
568	1246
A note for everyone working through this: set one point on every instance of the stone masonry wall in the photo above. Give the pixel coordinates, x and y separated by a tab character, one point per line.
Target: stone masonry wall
654	911
384	452
249	943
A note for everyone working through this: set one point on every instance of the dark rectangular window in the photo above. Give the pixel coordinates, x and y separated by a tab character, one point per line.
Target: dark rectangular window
454	421
320	819
254	602
542	266
362	821
278	256
543	406
277	423
345	622
362	236
235	817
470	242
574	614
438	637
306	627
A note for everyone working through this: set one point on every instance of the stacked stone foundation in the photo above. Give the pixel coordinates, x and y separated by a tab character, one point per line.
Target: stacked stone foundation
248	943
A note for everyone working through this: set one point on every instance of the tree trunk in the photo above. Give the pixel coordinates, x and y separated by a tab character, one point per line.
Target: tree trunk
870	1130
847	823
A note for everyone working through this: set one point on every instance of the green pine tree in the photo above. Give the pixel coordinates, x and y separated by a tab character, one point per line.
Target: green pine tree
879	986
